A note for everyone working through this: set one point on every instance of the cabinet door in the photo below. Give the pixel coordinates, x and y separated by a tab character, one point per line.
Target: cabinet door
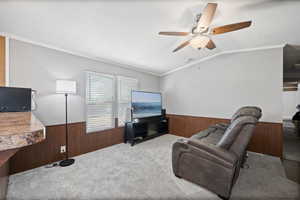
2	61
140	129
163	127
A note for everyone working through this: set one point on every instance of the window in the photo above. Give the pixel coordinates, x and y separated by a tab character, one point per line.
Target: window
100	100
101	90
125	85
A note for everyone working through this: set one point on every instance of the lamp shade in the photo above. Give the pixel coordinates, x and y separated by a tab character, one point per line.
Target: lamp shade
65	87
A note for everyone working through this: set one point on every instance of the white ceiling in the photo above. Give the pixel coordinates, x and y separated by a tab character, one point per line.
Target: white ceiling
125	31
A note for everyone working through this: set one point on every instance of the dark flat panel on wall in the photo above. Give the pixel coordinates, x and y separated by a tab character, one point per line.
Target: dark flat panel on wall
267	137
42	153
48	151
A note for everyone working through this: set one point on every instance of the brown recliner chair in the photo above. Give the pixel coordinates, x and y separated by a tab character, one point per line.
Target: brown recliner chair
214	166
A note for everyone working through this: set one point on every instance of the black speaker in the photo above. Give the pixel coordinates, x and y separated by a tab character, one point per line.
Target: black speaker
15	99
163	112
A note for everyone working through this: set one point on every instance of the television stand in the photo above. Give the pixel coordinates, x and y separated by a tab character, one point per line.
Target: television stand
144	129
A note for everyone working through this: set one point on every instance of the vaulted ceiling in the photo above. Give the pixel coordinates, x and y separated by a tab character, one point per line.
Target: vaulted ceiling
126	31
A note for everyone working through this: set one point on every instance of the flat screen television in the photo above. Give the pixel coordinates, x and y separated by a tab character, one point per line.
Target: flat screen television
145	104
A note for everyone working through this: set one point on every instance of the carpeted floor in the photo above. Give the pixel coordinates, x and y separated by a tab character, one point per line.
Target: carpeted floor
144	172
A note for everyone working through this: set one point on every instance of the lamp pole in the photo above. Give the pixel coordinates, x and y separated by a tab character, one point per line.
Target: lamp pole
67	161
66	87
66	126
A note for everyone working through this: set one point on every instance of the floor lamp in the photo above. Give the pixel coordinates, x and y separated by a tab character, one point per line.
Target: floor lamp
66	87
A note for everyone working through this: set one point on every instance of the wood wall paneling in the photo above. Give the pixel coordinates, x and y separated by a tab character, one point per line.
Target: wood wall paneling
4	173
2	61
267	137
6	155
4	170
80	142
48	151
42	153
186	126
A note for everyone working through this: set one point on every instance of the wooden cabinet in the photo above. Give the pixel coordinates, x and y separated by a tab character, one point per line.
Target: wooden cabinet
2	61
145	129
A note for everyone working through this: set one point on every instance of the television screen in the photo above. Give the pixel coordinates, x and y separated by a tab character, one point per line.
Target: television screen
145	104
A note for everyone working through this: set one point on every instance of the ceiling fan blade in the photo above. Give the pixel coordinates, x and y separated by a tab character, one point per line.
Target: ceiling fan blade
174	33
210	45
207	15
199	42
182	45
230	27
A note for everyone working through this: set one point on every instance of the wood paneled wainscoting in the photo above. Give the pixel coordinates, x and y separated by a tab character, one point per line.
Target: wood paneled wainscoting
81	143
48	151
267	138
5	157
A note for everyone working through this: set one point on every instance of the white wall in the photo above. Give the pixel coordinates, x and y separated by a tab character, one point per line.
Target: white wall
213	88
219	86
38	68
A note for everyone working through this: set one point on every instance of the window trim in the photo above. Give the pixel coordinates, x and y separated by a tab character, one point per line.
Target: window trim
112	102
118	95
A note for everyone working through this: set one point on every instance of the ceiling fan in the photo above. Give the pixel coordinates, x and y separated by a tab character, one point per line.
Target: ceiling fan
201	31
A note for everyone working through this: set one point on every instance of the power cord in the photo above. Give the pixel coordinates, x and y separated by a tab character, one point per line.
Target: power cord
52	165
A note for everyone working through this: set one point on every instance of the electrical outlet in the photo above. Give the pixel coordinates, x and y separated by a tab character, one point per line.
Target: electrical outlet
62	149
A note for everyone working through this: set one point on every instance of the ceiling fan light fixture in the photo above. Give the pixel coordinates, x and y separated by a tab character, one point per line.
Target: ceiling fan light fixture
199	42
201	30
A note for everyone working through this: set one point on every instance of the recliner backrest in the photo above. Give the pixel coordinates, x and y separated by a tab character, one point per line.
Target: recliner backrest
247	111
234	129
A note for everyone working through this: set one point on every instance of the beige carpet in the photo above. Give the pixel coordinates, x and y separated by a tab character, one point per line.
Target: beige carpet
144	172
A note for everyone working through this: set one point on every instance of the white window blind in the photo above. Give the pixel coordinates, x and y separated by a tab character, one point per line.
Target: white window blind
100	100
125	86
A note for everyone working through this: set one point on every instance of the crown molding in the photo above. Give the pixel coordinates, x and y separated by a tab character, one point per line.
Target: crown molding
191	64
222	53
83	55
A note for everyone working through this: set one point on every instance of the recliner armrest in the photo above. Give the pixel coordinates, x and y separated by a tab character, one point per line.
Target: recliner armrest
212	152
222	126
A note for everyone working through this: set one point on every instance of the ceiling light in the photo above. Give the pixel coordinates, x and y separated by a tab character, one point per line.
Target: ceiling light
199	42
